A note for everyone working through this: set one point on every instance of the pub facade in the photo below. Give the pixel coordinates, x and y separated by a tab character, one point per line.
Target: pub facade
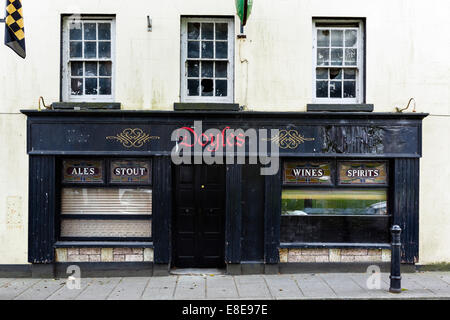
179	138
113	192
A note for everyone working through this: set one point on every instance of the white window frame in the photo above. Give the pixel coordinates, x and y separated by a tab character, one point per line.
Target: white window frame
66	83
230	70
359	88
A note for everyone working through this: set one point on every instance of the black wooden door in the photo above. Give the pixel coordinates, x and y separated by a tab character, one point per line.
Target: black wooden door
199	216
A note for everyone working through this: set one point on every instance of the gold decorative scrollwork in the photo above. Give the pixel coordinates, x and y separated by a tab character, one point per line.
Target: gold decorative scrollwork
289	139
132	138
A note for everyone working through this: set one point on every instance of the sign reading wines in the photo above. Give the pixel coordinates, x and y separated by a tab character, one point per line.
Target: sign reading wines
130	171
84	171
307	173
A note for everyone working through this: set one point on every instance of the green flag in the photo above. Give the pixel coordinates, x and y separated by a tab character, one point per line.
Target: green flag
244	8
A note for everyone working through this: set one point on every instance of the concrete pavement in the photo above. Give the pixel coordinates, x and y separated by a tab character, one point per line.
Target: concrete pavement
420	285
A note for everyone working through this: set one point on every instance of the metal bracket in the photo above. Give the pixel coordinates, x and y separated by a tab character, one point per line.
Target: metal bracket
242	35
149	24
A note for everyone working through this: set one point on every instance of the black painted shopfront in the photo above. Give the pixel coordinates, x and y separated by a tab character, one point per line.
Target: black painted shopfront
343	180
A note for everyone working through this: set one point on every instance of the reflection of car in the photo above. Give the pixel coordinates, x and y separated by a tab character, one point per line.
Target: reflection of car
295	213
377	208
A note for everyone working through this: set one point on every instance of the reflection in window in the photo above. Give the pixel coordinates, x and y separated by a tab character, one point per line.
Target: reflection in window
89	58
338	68
206	59
300	202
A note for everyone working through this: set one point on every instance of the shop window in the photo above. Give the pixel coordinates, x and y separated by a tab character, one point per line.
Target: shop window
335	201
338	57
88	59
106	200
207	58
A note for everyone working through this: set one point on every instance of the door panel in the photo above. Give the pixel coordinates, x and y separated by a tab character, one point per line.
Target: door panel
253	207
199	216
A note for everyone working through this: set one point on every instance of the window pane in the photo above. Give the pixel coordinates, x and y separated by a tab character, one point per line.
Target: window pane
193	87
334	202
221	50
193	31
207	31
76	86
221	88
90	50
349	89
76	69
193	68
337	38
105	69
207	87
104	31
75	31
208	49
335	89
104	49
349	74
323	38
323	57
90	69
336	57
350	57
91	86
76	49
221	69
350	38
207	69
105	86
221	31
90	31
106	228
106	201
335	74
321	73
193	49
322	89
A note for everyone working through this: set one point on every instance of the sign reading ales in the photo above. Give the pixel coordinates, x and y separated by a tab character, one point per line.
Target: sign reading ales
307	173
130	171
363	172
82	171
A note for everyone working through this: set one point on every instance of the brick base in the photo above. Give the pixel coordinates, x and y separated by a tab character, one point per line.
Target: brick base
104	255
335	255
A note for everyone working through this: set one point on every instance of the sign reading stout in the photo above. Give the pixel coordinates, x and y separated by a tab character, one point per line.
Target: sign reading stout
82	171
363	172
307	173
130	171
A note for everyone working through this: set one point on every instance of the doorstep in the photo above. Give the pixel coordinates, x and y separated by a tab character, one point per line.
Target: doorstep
196	271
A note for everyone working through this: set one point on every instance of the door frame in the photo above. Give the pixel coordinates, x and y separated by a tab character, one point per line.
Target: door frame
197	189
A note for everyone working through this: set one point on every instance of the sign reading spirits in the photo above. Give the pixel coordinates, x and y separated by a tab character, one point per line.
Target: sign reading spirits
363	172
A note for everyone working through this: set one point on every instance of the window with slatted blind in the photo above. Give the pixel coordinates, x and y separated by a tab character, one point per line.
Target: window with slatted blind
106	200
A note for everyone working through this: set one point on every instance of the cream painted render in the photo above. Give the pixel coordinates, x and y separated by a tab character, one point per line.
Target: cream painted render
407	56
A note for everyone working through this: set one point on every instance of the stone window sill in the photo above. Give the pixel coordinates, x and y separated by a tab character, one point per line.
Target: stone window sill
339	107
206	106
86	106
102	244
